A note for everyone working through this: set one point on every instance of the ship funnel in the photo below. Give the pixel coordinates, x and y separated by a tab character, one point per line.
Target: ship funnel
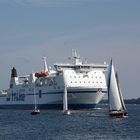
14	79
13	73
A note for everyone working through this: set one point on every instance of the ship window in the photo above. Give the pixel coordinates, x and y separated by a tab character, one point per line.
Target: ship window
71	81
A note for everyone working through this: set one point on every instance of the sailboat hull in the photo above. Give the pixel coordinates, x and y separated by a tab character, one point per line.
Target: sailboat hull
117	114
34	112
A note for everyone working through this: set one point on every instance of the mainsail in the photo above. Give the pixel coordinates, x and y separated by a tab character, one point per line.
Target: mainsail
113	91
120	93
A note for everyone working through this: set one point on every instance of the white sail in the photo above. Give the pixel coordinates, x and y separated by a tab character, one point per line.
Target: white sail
120	93
65	100
35	98
113	91
65	96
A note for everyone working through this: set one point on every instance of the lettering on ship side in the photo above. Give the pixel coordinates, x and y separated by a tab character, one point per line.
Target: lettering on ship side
16	97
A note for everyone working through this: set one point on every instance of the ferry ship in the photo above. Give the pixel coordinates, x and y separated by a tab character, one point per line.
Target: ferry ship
86	86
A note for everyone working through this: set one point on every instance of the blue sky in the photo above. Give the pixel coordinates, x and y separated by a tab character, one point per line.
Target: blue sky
97	29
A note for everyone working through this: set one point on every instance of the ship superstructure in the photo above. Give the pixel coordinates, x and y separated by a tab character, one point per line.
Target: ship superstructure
86	86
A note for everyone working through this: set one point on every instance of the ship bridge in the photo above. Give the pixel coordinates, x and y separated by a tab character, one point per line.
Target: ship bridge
77	64
60	67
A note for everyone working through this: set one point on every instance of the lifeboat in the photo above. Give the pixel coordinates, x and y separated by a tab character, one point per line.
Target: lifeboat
41	74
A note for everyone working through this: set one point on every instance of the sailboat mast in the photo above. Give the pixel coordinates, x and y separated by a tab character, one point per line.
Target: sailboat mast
108	82
35	97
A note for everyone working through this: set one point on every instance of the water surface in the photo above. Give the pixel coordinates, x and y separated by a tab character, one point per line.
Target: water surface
80	125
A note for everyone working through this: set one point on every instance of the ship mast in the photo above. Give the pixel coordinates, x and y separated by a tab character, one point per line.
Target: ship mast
45	65
76	58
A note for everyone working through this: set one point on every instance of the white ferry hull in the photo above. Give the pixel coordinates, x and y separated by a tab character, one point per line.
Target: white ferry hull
52	100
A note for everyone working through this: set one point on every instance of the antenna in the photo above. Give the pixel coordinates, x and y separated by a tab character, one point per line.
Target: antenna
76	58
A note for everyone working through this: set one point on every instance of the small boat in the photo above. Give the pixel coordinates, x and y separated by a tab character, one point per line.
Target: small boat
116	103
35	111
67	112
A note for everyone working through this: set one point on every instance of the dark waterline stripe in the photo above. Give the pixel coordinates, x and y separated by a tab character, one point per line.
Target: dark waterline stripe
47	106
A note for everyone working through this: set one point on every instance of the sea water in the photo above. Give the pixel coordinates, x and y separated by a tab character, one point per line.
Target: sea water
80	125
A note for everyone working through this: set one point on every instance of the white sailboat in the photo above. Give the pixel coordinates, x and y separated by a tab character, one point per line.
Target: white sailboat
65	97
35	111
65	102
116	103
